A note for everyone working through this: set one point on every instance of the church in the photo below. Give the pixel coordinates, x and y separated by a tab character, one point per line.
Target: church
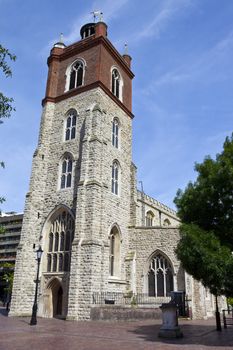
102	238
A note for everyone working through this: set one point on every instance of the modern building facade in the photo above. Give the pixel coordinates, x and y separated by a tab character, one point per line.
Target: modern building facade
10	224
97	231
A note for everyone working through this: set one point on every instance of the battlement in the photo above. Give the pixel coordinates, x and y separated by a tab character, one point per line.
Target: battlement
154	202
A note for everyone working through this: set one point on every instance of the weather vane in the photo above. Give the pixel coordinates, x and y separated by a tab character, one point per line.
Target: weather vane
97	14
126	51
61	38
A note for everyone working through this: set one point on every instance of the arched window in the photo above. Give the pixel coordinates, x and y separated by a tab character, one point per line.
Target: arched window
66	172
116	84
60	267
54	262
70	125
166	222
115	177
114	253
149	218
115	132
160	276
62	241
56	242
76	75
49	263
51	242
64	225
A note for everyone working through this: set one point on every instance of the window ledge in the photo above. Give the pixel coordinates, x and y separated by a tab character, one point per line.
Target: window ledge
55	273
117	280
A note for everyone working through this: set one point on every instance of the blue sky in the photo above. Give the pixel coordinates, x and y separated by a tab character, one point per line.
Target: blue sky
182	54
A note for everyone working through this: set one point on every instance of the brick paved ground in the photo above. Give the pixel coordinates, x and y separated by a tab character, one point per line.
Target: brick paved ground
53	334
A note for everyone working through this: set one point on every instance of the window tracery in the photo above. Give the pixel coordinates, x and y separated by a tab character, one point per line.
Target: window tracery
115	177
116	84
149	218
66	172
70	125
115	132
114	253
76	75
160	276
58	256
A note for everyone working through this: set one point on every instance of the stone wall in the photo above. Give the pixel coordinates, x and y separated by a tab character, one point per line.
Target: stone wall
95	208
147	241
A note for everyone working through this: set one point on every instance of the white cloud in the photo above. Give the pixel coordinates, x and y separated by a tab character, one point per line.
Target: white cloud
169	10
199	65
160	20
109	8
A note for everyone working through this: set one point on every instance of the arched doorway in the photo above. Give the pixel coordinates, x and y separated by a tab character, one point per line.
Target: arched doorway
53	299
57	311
58	235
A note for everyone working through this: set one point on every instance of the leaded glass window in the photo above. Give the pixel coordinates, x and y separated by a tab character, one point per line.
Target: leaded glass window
66	172
115	132
160	276
115	177
59	244
70	125
116	83
76	75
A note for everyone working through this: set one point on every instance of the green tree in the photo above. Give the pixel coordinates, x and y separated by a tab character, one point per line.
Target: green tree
8	276
205	208
5	102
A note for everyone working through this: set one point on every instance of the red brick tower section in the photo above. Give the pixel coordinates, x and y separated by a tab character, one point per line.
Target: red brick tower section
100	56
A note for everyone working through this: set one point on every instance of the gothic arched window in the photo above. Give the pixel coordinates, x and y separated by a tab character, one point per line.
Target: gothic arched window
115	177
54	262
56	242
60	265
49	263
116	84
66	171
76	75
160	276
114	253
51	242
62	241
149	218
166	222
58	258
115	132
70	125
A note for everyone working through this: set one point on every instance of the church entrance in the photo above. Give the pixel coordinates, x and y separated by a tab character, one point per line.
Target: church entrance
57	310
57	297
53	299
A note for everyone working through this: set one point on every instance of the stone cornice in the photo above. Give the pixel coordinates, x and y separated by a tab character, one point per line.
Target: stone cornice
85	88
85	44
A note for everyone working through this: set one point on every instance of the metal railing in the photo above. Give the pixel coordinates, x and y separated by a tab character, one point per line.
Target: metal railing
227	317
122	299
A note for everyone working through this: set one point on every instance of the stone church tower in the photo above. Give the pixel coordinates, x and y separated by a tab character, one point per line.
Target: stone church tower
99	234
79	196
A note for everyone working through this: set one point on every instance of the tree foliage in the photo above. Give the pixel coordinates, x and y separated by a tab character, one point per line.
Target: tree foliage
203	257
205	208
5	102
8	275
